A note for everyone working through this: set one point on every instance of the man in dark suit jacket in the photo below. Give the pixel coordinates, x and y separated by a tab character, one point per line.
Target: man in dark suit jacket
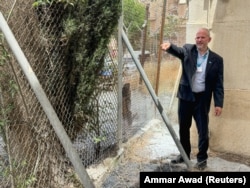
201	79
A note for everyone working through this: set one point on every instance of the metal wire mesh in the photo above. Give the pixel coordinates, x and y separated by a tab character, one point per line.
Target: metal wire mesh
145	40
31	154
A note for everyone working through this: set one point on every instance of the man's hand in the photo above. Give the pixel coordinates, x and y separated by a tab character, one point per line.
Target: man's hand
217	111
165	46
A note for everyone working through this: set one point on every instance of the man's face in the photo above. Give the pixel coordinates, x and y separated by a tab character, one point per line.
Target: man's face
202	39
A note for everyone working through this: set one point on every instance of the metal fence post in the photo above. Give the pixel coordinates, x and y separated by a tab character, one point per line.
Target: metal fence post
156	101
45	103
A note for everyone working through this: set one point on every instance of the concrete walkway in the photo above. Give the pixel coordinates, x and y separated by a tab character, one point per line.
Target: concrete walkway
151	149
154	142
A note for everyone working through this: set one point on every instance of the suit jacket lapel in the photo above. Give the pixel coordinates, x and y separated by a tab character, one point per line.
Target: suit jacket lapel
194	60
209	61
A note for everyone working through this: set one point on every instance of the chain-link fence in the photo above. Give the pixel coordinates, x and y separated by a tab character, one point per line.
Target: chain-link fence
31	154
145	31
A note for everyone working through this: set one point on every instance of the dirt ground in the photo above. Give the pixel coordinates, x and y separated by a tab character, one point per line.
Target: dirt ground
151	151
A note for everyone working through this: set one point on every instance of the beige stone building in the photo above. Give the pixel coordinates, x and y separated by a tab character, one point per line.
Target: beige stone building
173	8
